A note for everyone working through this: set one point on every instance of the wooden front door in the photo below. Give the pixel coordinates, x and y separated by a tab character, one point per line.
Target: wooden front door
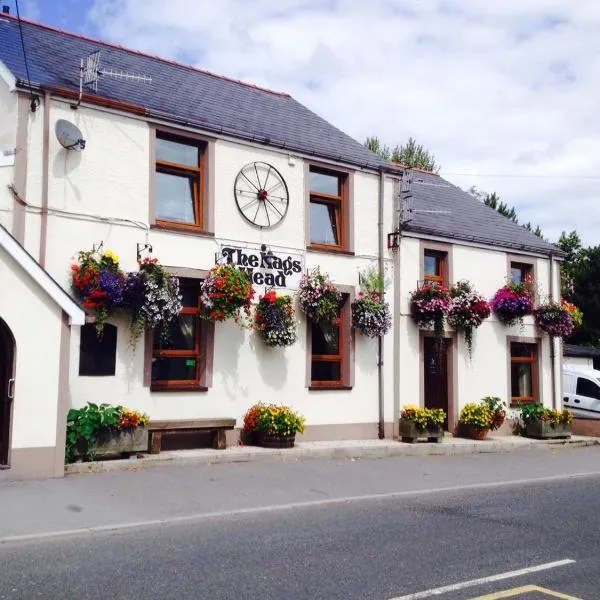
7	354
435	374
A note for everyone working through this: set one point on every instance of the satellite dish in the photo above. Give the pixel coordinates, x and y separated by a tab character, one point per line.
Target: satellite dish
69	136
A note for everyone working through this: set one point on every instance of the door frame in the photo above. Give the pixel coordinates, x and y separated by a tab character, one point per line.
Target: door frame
451	369
7	372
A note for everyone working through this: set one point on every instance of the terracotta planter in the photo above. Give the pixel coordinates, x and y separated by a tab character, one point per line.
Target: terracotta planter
472	433
114	443
410	433
269	440
544	430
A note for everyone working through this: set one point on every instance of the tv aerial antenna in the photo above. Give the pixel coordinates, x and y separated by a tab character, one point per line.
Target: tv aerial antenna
90	72
407	208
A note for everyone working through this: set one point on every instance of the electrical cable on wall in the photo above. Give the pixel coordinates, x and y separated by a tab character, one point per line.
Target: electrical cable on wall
35	101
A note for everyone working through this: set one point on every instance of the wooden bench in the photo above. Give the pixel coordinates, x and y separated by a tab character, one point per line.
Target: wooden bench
217	428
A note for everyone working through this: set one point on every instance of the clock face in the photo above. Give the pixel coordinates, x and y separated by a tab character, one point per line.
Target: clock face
261	194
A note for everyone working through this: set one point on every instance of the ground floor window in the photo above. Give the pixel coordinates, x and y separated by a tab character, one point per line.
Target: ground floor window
523	373
177	359
97	353
330	350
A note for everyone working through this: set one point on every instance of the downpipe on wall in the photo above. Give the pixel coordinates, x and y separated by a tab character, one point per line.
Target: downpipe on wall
553	341
45	180
380	344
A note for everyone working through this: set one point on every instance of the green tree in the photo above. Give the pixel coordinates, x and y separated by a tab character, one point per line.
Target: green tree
411	154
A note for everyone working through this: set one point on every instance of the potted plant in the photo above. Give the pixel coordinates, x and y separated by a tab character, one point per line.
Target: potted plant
273	426
319	299
226	293
513	301
421	422
274	319
545	423
554	319
371	315
477	419
152	295
99	283
429	305
467	311
100	431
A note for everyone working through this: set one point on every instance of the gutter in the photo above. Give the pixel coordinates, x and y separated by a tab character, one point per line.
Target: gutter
45	179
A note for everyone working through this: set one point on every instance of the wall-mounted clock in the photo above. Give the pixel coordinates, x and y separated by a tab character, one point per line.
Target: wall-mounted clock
261	194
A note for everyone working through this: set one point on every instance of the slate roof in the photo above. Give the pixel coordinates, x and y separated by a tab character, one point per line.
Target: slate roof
205	100
187	95
580	351
458	215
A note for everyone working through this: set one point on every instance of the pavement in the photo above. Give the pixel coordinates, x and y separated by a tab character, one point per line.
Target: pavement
339	449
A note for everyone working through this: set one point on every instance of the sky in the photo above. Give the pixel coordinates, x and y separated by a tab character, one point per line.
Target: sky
504	94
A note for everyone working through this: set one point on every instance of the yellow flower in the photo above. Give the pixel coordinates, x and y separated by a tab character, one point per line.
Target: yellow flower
112	256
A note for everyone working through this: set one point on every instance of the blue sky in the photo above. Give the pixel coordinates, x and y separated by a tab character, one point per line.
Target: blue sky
503	93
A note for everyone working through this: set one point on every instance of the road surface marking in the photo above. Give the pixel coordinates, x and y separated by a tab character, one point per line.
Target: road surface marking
482	580
525	590
324	503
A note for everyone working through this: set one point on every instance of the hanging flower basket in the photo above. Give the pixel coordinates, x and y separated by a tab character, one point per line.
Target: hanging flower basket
226	293
429	305
99	283
152	295
468	310
575	313
513	302
274	319
554	319
319	299
371	316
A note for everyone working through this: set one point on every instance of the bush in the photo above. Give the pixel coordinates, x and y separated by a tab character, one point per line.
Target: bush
273	419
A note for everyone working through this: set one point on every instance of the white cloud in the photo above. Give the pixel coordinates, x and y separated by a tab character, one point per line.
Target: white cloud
503	88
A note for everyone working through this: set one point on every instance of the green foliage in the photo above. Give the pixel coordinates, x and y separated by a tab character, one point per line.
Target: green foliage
374	145
411	154
487	414
273	419
537	412
424	418
371	280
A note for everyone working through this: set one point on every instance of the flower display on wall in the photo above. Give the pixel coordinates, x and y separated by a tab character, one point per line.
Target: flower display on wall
226	293
99	283
513	301
575	313
274	319
370	314
554	319
319	299
468	310
152	295
429	305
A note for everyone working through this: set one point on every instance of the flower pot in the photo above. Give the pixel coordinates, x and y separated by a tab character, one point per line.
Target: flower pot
250	438
274	440
409	432
114	442
471	432
545	430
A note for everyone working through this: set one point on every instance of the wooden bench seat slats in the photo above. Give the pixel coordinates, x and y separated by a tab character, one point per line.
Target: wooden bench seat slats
192	424
216	427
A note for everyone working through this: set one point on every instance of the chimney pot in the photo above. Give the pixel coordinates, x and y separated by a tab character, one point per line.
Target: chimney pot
5	9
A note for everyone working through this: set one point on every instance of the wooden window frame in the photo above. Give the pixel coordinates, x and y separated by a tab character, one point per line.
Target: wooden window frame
342	209
526	268
199	174
442	256
534	360
202	352
345	355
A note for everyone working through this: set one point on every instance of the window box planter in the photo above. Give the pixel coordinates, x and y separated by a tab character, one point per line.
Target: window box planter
545	430
114	442
410	433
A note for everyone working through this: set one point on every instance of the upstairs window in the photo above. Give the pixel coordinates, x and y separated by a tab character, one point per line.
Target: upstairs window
435	267
179	182
328	209
520	272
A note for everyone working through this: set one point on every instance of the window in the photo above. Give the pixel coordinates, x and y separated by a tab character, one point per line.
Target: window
179	182
587	388
435	266
330	350
523	373
176	361
520	272
97	355
328	208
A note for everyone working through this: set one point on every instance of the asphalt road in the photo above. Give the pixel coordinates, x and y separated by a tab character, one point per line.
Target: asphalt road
378	548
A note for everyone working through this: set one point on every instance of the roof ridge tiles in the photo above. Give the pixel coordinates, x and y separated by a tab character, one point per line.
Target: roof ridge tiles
146	54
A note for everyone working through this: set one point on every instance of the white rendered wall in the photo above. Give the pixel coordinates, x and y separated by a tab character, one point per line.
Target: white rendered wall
8	138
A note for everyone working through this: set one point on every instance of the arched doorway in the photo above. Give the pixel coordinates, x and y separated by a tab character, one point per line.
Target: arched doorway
7	384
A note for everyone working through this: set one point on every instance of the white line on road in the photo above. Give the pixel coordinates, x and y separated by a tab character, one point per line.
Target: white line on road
197	517
482	580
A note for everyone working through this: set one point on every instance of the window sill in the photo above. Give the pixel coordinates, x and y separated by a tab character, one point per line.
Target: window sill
328	387
178	388
326	250
520	403
174	228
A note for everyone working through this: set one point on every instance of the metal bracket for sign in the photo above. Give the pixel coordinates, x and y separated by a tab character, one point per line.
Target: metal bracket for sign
143	248
98	247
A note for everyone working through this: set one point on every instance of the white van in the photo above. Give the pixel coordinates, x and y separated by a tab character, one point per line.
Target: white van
581	391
